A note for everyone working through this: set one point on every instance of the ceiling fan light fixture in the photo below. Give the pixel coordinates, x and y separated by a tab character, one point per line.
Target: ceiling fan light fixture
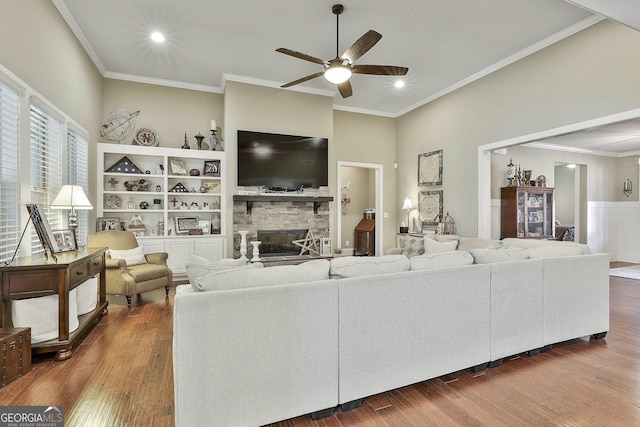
337	73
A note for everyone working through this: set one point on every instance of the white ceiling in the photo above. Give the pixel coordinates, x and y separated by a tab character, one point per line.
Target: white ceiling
445	44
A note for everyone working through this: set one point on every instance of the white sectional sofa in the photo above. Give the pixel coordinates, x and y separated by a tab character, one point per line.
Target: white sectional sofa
254	346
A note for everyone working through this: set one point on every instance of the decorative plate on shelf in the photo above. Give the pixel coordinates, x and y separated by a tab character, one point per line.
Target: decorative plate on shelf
146	137
114	202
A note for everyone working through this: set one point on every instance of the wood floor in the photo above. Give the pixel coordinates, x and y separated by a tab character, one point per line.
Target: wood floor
121	375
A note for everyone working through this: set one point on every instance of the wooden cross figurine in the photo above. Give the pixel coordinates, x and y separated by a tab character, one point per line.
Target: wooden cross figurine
174	201
113	182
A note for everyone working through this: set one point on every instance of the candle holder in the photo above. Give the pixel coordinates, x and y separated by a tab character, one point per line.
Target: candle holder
256	250
243	244
213	140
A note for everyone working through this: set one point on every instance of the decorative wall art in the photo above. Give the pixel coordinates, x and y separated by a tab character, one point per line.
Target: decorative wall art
430	168
430	206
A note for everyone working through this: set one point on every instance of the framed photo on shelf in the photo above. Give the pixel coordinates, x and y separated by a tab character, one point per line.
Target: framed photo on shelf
430	168
430	206
211	185
103	224
66	240
211	168
177	167
205	225
185	223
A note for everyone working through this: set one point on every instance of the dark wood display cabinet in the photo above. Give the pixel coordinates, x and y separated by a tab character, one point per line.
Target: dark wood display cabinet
526	212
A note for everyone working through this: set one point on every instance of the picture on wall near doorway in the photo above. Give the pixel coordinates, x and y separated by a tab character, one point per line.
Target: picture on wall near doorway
430	206
430	168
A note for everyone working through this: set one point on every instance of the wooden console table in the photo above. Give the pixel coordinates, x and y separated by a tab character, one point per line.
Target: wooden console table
35	276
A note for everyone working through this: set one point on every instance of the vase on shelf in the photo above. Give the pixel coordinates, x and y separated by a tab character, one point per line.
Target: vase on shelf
256	250
243	244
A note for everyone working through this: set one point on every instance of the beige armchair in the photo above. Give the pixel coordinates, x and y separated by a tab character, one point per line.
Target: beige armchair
123	279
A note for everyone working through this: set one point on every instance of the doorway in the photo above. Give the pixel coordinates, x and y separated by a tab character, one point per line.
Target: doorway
359	187
484	167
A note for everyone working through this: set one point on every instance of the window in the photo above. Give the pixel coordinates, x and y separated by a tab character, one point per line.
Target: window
78	173
46	167
9	172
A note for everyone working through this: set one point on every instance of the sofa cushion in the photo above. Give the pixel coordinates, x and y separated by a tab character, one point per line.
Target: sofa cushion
344	267
431	245
133	256
200	266
243	277
555	251
469	243
440	260
512	242
413	247
488	256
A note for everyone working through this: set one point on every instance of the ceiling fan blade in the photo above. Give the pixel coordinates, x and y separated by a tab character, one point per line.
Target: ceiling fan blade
345	89
303	79
300	55
362	45
379	70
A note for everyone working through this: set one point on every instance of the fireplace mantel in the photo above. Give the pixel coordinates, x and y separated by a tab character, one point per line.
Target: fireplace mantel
281	198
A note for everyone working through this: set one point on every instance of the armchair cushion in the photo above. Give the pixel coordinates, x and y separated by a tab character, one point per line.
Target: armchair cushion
144	272
133	256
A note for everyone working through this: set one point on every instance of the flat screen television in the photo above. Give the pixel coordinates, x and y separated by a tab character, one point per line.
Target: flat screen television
282	162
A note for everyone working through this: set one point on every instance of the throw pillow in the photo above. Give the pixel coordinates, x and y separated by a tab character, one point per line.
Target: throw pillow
413	247
441	260
344	267
431	245
133	256
488	256
469	243
512	242
241	278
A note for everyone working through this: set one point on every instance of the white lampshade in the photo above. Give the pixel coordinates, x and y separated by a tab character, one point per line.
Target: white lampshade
337	73
71	197
407	204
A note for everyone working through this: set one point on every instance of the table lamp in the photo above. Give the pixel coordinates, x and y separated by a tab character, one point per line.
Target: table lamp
71	197
406	206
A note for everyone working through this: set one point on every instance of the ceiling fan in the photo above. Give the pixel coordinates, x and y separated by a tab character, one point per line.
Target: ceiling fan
340	69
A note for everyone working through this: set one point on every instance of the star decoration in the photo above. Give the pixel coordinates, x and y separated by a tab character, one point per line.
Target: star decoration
309	243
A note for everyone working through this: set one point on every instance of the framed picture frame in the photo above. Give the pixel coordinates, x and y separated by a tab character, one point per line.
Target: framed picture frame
430	206
103	224
65	240
205	225
211	185
43	229
211	168
186	223
177	167
430	168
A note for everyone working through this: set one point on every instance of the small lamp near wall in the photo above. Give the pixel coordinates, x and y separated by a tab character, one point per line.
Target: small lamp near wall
72	197
406	206
627	187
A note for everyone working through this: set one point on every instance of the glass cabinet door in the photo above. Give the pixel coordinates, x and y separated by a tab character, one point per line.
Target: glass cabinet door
535	215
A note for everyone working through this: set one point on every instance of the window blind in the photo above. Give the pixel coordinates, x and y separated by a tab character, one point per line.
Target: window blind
46	167
78	173
9	172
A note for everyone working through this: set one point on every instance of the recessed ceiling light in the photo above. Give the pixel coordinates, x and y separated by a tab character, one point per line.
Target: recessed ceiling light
157	37
399	84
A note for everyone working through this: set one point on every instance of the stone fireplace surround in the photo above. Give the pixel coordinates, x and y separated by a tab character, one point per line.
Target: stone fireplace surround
253	213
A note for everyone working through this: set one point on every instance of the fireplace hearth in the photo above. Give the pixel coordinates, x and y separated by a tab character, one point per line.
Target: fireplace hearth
279	242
